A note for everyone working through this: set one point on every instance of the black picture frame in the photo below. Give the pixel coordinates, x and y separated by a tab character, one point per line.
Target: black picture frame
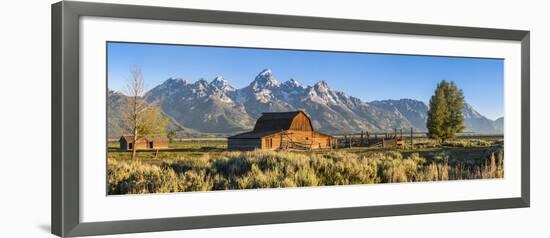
65	118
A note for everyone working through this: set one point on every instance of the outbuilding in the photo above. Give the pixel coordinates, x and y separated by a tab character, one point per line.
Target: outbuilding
143	143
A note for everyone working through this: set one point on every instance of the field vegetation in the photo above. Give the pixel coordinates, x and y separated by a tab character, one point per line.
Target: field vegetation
207	166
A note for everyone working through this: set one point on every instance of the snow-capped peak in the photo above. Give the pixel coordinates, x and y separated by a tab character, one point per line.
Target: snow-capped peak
221	83
176	80
169	87
292	83
320	92
264	80
266	73
172	84
201	84
219	79
321	86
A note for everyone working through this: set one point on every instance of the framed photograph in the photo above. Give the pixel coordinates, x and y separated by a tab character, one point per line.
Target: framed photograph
169	119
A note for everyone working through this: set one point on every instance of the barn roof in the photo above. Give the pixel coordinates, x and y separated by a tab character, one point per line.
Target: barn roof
130	138
271	123
275	121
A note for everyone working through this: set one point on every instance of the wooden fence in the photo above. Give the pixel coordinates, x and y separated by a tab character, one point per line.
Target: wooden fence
372	139
396	137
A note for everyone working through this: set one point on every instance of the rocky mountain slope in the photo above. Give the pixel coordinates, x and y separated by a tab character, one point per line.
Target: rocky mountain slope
217	107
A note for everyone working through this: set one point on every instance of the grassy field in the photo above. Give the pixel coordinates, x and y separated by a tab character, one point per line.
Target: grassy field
206	165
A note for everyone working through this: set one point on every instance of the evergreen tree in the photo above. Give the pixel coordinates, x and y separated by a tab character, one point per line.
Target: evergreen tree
455	107
437	112
445	116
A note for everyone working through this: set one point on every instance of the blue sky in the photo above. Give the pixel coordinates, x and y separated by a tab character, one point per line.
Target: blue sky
366	76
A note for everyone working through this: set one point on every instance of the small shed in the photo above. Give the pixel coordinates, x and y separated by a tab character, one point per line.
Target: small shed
143	143
281	130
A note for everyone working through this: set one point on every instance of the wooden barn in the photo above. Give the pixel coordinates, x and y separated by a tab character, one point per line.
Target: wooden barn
143	143
281	130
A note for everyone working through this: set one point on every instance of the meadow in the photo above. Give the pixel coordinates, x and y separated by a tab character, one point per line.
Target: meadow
207	165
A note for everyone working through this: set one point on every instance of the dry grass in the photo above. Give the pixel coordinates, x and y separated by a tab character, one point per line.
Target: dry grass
268	169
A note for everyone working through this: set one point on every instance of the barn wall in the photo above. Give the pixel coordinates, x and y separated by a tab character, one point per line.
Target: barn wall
161	144
306	138
275	141
321	141
141	144
243	144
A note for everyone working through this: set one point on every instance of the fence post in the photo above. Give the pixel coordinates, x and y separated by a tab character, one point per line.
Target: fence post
361	141
350	140
368	143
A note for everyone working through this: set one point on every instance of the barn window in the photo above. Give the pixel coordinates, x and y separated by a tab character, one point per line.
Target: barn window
131	145
151	144
269	142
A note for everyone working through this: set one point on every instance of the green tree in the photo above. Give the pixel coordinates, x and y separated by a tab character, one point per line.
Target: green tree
445	116
455	106
153	122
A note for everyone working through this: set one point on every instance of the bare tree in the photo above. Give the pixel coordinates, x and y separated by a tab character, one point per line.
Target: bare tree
142	118
134	90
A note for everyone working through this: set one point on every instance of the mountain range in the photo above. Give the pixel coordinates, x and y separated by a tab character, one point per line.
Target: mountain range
216	107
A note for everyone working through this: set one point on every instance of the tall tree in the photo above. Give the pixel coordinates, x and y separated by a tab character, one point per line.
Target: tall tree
455	111
445	116
142	118
437	112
